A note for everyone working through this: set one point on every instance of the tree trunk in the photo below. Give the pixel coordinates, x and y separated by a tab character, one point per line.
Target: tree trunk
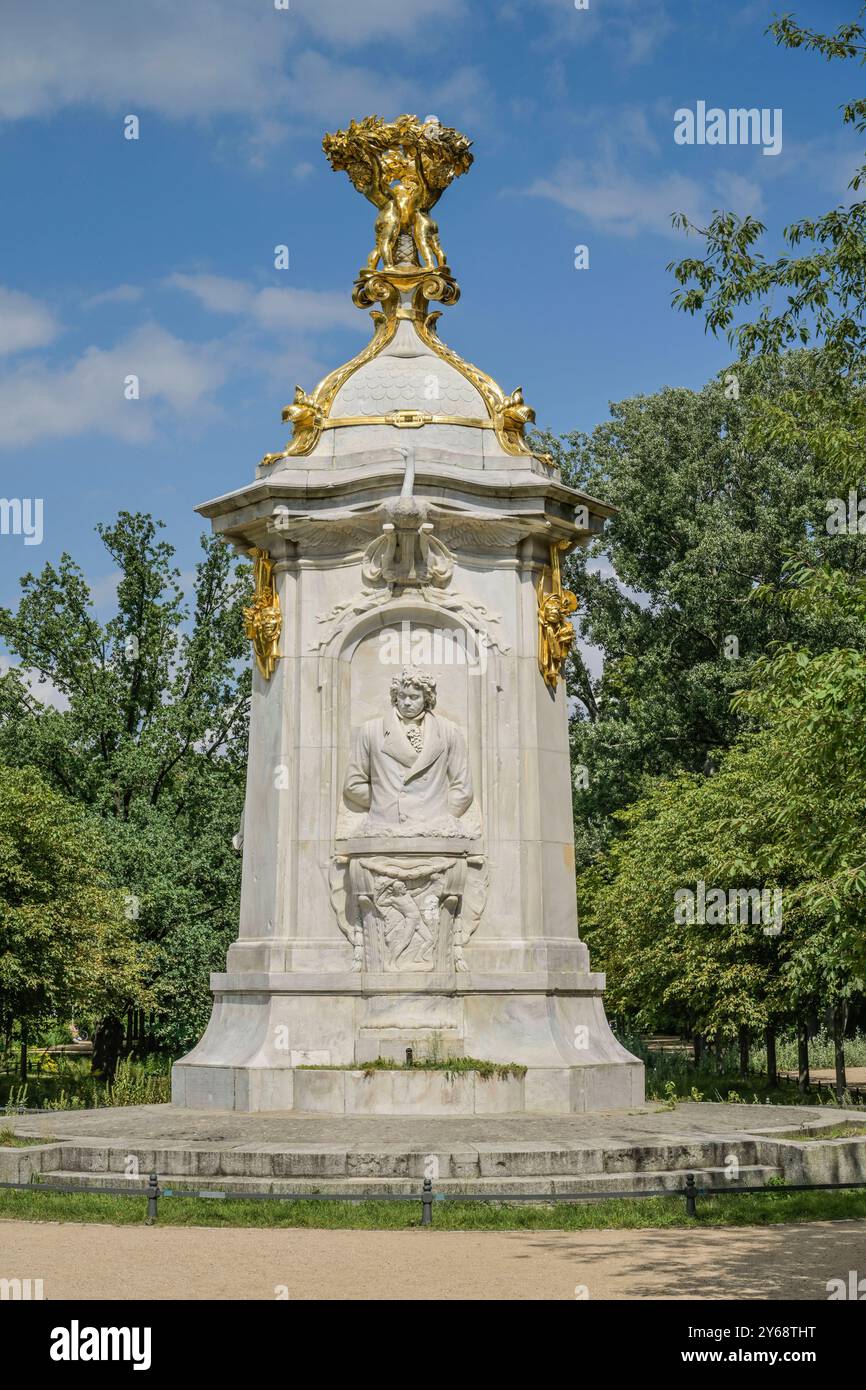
107	1042
803	1057
697	1049
744	1051
720	1053
22	1071
839	1049
772	1064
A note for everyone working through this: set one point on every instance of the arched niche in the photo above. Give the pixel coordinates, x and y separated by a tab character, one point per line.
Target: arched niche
369	652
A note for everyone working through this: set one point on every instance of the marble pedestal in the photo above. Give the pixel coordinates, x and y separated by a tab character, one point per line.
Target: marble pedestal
420	547
554	1025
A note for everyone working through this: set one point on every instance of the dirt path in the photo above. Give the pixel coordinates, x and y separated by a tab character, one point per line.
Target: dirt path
855	1076
137	1262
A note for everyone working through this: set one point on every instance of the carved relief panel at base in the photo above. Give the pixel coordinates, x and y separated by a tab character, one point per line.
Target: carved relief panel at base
408	911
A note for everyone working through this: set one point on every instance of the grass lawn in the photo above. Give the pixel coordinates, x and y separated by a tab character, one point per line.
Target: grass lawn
770	1208
10	1140
451	1066
845	1130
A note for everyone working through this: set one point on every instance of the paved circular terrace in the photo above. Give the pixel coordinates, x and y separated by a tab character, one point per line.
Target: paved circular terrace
169	1125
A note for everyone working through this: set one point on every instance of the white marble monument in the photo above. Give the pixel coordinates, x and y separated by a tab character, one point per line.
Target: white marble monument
408	855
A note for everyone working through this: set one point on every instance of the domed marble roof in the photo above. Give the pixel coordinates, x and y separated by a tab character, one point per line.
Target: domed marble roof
406	378
407	375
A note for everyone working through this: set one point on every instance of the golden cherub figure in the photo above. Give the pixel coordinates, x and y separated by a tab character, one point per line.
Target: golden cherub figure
400	191
403	167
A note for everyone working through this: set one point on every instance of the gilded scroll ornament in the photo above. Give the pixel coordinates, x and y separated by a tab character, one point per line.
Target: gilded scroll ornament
263	620
555	632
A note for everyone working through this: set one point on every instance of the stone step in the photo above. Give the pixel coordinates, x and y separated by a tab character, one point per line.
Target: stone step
487	1162
673	1180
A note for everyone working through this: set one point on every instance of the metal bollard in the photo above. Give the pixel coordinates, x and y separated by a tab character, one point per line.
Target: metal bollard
152	1199
691	1210
427	1203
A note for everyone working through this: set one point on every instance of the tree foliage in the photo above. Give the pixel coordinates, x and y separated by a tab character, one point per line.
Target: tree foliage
66	943
785	804
150	736
705	517
812	293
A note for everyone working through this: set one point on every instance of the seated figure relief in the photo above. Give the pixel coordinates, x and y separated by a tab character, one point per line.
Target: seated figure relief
409	771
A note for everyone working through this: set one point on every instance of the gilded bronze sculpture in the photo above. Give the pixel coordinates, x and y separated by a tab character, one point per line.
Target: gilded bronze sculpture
555	632
403	167
263	620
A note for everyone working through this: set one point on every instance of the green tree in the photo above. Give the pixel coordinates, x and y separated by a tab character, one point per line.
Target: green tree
66	942
814	292
151	738
722	971
700	977
705	517
813	704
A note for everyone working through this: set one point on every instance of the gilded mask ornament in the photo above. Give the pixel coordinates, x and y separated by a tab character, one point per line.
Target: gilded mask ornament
263	619
555	632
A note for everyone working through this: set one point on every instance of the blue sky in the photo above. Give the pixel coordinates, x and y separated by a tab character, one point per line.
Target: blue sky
155	257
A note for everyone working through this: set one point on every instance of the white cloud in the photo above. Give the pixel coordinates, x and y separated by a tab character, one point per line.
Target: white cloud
200	57
272	308
593	658
24	322
103	591
324	89
465	95
42	401
253	144
635	132
271	335
737	192
627	27
182	60
291	366
641	34
217	293
624	204
307	309
629	186
827	162
44	690
120	294
351	22
610	193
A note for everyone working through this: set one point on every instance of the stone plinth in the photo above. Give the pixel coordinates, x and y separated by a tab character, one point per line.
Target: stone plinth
555	1024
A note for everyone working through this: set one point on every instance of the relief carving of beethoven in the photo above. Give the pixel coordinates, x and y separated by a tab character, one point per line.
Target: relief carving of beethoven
410	770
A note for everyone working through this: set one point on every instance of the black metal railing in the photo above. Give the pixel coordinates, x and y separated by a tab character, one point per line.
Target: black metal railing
689	1192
